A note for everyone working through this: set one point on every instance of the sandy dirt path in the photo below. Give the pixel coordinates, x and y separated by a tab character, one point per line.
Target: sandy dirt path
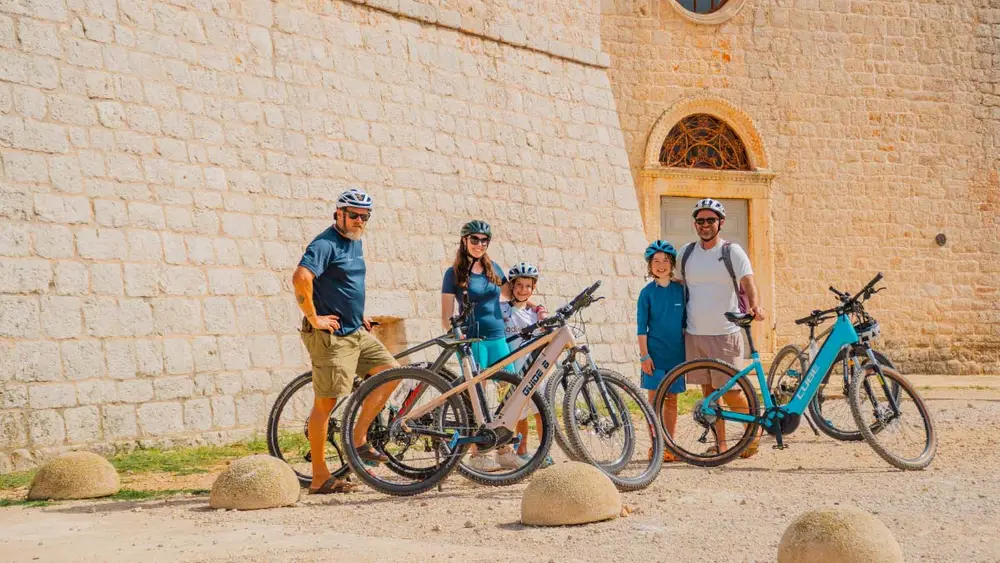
948	512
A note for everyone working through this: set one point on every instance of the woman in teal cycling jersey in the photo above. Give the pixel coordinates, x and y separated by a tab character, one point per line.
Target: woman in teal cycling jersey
475	274
485	282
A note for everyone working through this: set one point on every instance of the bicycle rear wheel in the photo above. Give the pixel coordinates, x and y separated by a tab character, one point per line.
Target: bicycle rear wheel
425	445
288	432
830	408
612	426
903	436
539	432
701	438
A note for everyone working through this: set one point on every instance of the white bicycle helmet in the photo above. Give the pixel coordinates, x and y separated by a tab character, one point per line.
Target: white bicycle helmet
711	205
522	270
355	198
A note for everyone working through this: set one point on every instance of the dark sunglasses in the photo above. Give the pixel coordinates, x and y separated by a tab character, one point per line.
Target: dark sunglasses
363	216
706	220
479	241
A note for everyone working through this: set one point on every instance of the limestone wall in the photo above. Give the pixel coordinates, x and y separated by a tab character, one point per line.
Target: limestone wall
164	164
882	123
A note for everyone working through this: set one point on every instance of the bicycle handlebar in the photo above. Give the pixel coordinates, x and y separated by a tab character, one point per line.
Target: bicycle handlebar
847	302
584	299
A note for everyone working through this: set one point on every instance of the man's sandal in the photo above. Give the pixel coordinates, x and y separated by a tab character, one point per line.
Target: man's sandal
334	485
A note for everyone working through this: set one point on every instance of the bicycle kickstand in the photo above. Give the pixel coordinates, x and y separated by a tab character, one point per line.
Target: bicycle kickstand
780	445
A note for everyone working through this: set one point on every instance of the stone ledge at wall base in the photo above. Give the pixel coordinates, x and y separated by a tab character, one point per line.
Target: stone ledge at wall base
255	482
76	475
567	494
838	535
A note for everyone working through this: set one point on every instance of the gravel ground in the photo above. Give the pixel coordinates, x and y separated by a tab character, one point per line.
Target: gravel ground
948	512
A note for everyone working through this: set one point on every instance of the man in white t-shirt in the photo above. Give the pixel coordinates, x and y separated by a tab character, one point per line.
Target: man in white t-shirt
711	294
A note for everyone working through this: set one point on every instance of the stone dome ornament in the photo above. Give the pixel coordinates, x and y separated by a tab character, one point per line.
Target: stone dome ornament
75	475
569	493
253	482
838	535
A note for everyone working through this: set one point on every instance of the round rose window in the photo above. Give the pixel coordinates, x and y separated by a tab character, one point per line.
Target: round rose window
702	6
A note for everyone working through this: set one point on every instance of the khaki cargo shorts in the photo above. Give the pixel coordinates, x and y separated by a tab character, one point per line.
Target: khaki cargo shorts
336	360
725	347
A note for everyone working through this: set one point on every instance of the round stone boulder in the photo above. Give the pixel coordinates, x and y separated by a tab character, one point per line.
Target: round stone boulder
838	535
253	482
75	475
569	493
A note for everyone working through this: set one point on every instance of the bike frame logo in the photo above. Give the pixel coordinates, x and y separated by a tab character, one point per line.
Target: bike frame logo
535	377
805	383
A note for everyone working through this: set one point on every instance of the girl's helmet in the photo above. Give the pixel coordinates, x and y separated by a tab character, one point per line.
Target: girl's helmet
659	246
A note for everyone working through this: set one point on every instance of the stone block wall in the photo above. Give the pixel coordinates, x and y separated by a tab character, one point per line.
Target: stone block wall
163	164
882	123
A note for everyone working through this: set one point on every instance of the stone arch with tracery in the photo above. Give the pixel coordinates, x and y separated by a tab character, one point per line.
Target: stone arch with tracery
704	141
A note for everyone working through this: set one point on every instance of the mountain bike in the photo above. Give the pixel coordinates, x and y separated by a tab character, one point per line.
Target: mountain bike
288	422
829	411
457	418
877	412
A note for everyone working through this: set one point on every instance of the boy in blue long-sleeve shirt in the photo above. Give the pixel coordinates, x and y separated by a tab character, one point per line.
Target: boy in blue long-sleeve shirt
660	316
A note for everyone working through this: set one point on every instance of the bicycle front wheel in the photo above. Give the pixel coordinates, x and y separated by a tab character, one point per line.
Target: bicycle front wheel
829	408
899	430
555	395
611	425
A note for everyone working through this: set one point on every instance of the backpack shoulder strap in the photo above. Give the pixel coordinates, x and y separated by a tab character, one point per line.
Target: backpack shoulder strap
685	254
727	259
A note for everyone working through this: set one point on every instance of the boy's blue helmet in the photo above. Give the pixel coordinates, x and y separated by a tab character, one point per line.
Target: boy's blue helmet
660	246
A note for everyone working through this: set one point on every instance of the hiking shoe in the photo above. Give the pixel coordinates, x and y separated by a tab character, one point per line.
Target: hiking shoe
484	463
510	460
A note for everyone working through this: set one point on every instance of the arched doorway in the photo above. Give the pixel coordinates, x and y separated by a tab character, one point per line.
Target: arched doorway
705	147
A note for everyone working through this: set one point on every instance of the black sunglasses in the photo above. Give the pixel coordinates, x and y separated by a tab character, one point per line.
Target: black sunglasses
706	220
479	241
363	216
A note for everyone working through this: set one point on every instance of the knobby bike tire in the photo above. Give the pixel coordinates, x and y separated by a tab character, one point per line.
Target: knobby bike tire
560	379
503	478
294	386
815	405
433	476
861	404
616	384
273	420
790	349
616	396
753	403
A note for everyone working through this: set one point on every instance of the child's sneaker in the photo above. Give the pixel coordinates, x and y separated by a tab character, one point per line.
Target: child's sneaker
484	463
510	460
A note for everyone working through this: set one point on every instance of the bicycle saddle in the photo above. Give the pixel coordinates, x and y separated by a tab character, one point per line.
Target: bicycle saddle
740	319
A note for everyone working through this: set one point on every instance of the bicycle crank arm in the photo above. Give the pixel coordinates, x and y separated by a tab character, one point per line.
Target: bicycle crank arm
457	440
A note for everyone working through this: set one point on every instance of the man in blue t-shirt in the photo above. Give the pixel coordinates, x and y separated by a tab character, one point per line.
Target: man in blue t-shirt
330	289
